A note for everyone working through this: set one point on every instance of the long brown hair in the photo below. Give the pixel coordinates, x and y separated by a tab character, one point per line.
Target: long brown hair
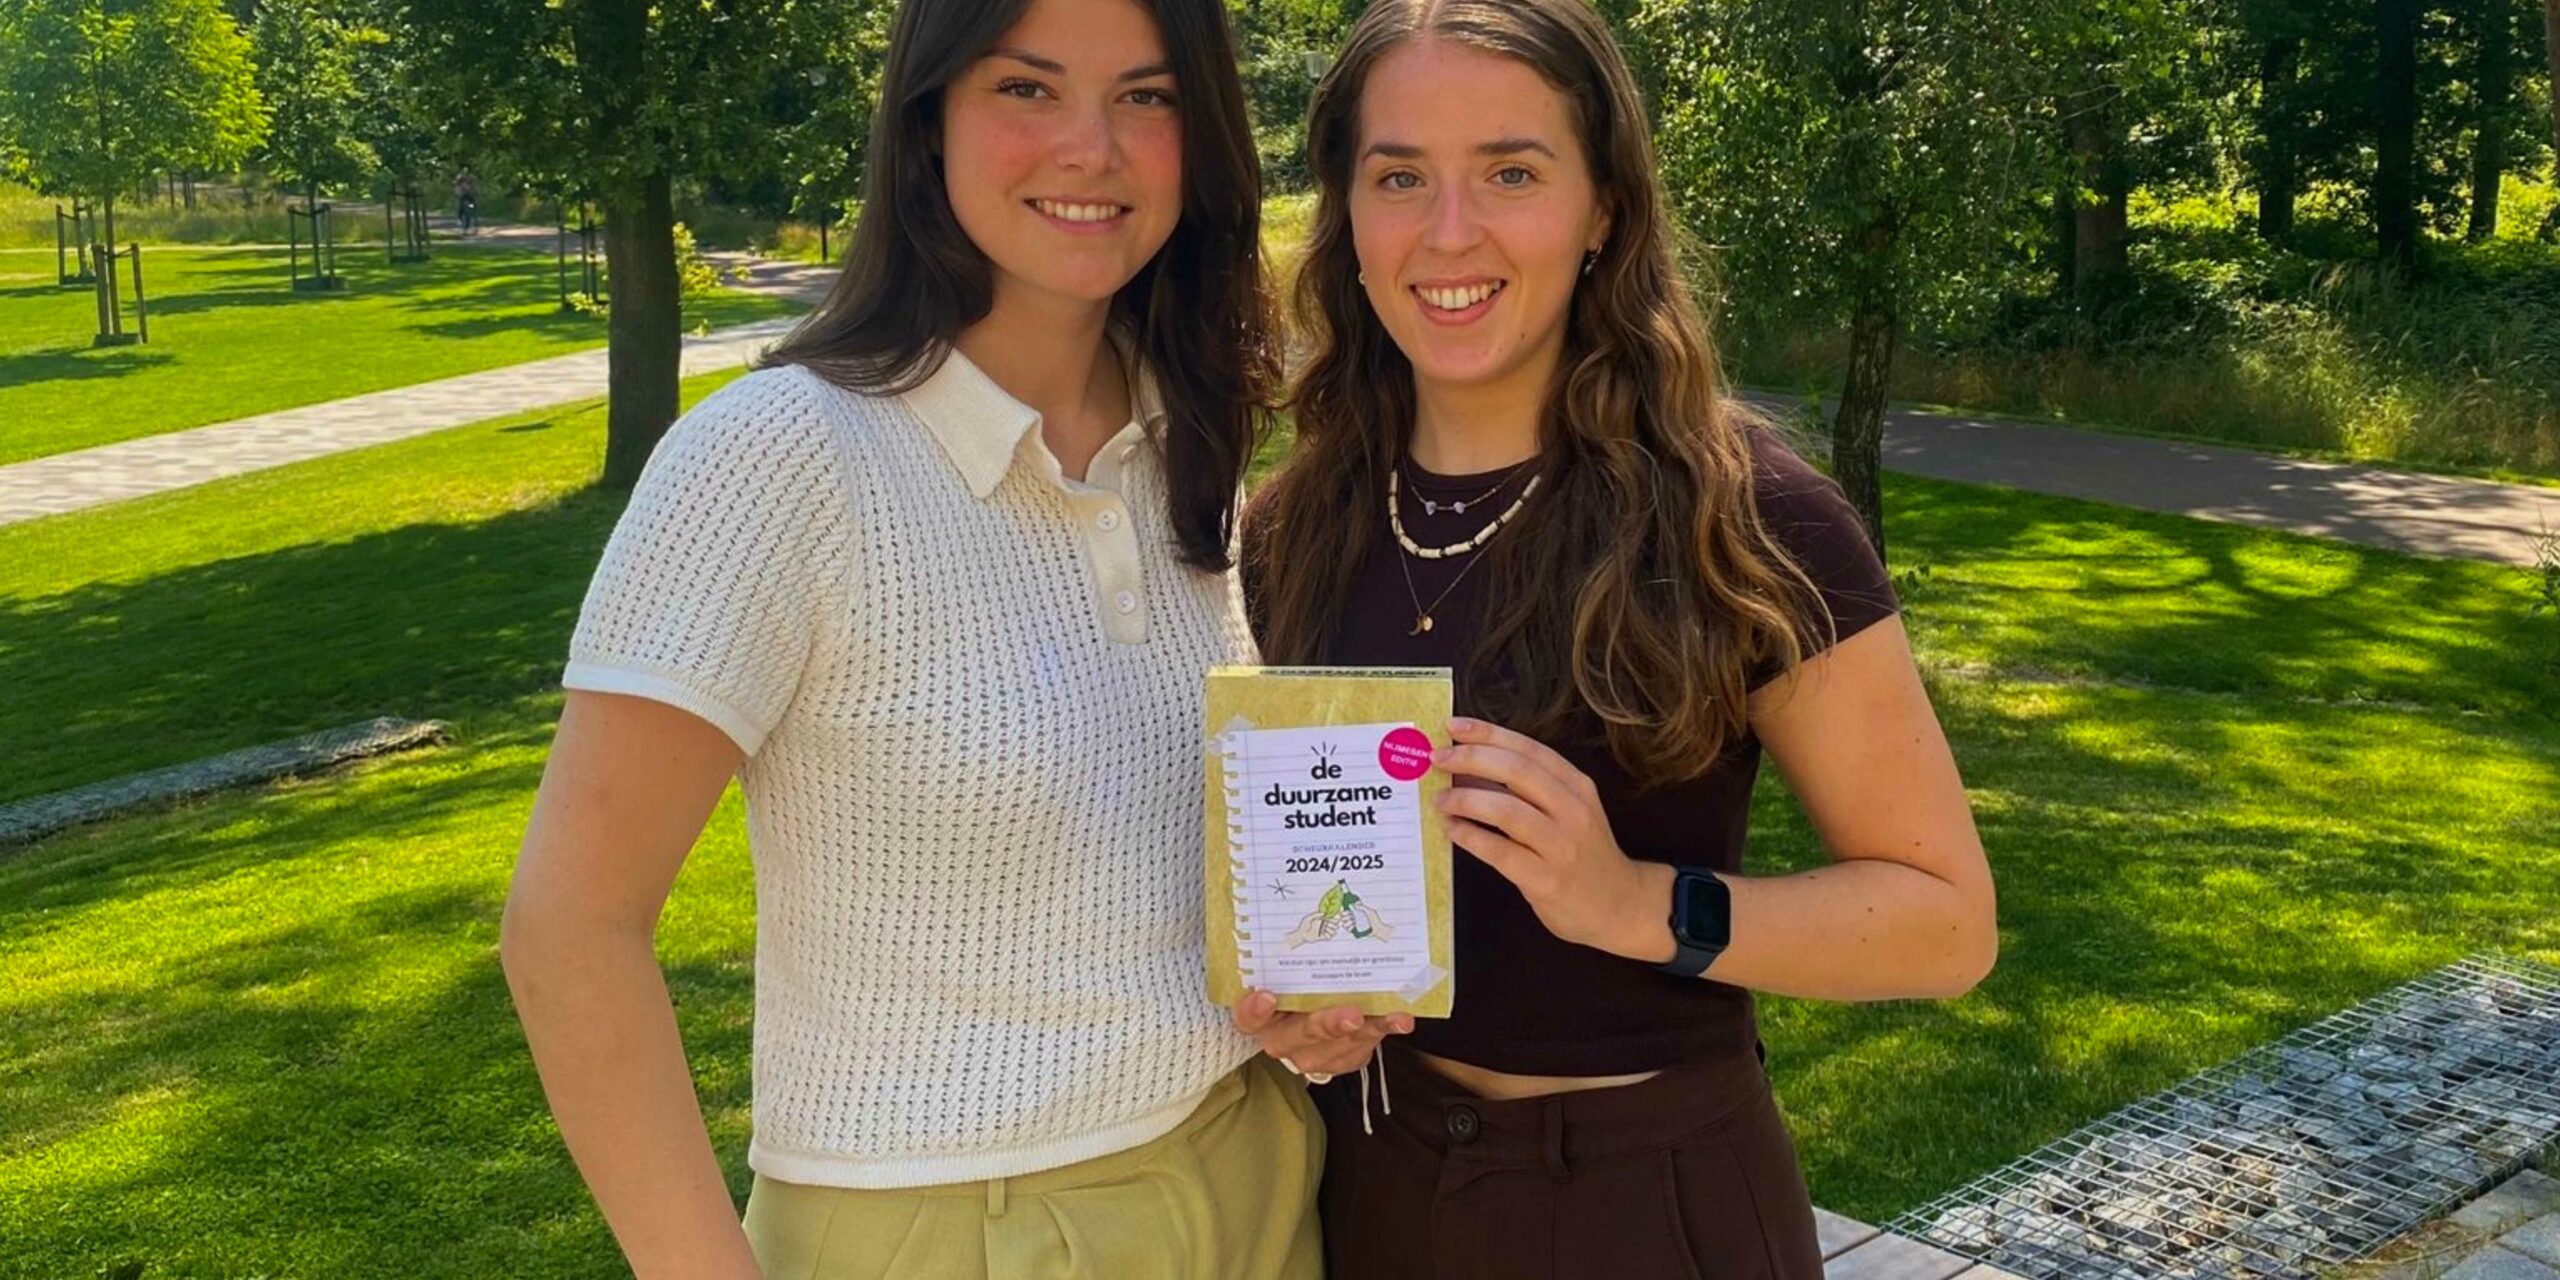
1199	313
1641	586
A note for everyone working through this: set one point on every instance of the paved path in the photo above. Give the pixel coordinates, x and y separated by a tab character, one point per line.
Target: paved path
2423	514
154	464
1852	1250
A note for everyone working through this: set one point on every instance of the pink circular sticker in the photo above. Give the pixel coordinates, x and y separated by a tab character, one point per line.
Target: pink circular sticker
1405	754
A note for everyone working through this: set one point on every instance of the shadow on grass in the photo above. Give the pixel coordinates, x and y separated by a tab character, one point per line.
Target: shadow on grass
264	279
428	621
51	288
561	326
78	364
2182	875
245	295
2167	896
2178	883
347	1096
201	841
2088	589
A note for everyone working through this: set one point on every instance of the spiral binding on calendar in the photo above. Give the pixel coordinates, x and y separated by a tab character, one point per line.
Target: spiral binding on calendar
1239	861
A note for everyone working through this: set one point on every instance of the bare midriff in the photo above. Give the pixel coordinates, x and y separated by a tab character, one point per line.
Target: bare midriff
1501	1086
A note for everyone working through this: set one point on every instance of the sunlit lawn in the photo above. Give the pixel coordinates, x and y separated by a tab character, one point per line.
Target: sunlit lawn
2231	781
230	337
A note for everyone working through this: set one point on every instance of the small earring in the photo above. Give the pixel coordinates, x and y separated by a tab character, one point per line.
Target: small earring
1364	277
1589	260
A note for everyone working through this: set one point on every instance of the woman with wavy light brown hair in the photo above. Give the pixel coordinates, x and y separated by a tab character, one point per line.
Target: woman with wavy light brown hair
1514	459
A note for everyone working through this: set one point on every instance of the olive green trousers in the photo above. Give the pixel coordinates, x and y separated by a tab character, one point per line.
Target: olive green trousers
1229	1194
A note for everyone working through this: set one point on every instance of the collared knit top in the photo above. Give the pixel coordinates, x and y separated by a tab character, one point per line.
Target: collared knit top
969	691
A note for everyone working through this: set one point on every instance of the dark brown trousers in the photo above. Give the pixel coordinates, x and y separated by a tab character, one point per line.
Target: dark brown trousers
1687	1176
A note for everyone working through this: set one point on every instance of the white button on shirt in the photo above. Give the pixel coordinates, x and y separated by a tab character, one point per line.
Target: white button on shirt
988	435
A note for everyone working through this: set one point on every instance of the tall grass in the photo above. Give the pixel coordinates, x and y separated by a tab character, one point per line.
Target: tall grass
723	226
2306	347
222	215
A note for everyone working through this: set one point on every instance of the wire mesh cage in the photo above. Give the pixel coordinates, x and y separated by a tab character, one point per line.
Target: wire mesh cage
2299	1156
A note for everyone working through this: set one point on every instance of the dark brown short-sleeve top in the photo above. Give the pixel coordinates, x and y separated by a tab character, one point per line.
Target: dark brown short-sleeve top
1528	1002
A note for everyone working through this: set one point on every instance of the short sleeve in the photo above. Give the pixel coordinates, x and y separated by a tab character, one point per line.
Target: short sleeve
722	567
1808	516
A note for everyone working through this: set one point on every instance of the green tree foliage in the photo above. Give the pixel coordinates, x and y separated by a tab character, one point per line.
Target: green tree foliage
2424	103
1858	163
405	142
100	95
2132	104
2551	57
832	107
2304	69
307	60
618	99
2491	92
1281	45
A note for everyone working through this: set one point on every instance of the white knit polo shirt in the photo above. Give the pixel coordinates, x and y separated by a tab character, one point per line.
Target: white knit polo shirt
969	690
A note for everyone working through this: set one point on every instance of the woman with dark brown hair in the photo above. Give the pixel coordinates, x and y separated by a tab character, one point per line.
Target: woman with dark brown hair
940	584
1514	459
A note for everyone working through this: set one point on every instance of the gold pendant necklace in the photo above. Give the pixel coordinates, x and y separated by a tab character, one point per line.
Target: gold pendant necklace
1422	613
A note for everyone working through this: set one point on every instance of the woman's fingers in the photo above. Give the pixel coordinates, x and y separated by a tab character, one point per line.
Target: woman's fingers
1517	773
1516	862
1256	1012
1297	1036
1526	825
1545	759
1348	1052
1258	1015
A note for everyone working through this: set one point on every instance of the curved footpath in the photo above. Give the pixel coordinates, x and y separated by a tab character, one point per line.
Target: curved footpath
2402	511
84	478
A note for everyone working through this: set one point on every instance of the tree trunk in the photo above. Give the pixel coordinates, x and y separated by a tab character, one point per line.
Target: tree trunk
2488	168
2099	231
2066	240
2551	51
2493	90
1857	428
2395	113
110	302
2278	171
644	325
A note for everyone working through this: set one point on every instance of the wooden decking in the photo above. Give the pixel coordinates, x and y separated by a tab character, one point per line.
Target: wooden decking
1852	1250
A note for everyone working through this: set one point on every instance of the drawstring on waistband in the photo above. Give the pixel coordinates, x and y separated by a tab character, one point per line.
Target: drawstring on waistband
1387	1101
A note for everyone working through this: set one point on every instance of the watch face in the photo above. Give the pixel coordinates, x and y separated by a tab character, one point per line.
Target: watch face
1706	911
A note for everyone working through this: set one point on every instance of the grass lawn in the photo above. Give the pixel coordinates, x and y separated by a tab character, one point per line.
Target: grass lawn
2231	781
229	338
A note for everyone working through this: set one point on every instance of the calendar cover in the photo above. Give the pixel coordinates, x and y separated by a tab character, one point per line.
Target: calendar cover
1328	867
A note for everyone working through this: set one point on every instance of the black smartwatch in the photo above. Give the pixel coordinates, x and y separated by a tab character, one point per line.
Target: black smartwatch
1701	920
